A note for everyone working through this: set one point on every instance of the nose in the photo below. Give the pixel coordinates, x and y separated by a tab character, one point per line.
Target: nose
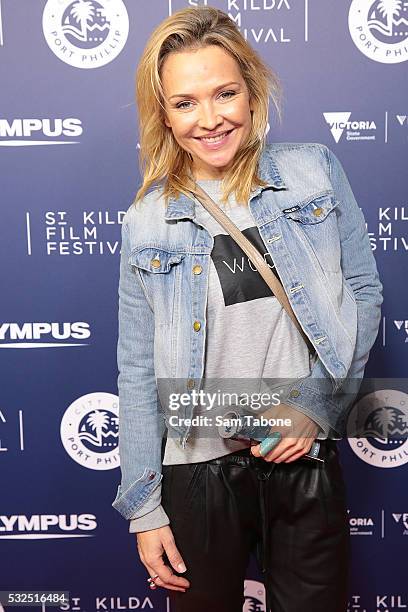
208	117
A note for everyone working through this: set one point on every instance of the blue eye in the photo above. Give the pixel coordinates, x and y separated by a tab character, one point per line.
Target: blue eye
180	104
229	94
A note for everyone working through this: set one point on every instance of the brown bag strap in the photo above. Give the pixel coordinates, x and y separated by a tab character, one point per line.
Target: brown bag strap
253	254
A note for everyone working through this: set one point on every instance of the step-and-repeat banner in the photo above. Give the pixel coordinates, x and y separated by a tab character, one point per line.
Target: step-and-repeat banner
68	173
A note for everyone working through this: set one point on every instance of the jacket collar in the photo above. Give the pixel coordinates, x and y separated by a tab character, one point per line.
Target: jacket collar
184	207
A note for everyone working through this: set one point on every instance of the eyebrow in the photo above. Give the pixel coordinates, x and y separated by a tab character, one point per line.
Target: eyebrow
187	95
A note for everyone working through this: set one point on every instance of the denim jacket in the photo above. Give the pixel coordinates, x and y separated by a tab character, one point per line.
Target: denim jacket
316	235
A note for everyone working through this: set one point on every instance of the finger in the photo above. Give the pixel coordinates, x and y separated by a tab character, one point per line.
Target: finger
255	450
152	557
167	575
301	447
285	446
173	555
291	454
304	451
295	457
159	582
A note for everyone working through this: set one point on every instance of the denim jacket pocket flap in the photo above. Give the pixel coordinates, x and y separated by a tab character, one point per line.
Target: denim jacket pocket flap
313	210
155	260
127	502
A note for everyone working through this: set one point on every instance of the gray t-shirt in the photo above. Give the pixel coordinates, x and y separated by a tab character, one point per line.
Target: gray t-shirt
248	333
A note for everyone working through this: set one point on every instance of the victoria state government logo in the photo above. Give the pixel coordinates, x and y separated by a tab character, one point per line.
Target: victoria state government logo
86	33
380	29
90	430
377	428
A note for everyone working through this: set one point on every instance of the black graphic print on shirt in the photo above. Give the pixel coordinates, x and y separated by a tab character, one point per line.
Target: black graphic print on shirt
239	279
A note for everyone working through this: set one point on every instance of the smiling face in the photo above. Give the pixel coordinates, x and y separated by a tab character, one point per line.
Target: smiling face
205	94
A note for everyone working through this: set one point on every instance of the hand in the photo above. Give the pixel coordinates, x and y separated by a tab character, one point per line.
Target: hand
151	545
296	440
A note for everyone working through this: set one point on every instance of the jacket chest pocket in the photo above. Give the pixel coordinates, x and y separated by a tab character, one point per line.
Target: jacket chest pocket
315	223
159	271
155	260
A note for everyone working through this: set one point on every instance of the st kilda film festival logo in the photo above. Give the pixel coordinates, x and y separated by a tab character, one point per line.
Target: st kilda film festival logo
86	33
380	29
377	428
90	431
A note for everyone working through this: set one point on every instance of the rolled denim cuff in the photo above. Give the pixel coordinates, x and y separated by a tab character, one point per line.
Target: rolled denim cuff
315	399
141	496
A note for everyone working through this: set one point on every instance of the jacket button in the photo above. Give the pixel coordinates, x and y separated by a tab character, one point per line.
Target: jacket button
197	325
197	270
151	477
294	393
155	263
190	383
317	212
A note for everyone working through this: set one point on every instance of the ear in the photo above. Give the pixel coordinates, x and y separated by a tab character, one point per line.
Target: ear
166	121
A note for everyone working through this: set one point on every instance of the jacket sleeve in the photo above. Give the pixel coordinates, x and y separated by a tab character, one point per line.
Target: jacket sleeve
318	395
141	424
152	520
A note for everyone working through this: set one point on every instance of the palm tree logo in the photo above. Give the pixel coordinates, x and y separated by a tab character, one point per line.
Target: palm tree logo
386	423
104	425
86	22
389	11
85	33
83	11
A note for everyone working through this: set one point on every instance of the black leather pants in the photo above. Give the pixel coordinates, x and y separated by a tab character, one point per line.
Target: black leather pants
293	516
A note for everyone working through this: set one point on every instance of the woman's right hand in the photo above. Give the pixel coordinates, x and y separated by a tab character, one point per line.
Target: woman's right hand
151	545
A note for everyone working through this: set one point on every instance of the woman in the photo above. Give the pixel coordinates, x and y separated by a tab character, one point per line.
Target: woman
193	309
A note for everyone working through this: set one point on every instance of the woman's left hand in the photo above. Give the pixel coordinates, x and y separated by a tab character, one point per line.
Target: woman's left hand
297	439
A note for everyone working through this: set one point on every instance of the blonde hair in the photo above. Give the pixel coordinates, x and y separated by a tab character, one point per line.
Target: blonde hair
161	158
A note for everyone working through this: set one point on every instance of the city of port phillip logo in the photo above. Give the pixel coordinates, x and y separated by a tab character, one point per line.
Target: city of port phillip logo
380	29
90	429
377	428
86	33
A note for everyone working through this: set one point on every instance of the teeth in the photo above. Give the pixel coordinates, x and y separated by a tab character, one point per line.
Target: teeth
215	138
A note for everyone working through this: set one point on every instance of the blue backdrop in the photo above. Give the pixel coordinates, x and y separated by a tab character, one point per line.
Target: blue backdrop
69	171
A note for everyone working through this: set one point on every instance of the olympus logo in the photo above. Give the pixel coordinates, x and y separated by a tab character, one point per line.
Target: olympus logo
14	335
46	526
20	131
